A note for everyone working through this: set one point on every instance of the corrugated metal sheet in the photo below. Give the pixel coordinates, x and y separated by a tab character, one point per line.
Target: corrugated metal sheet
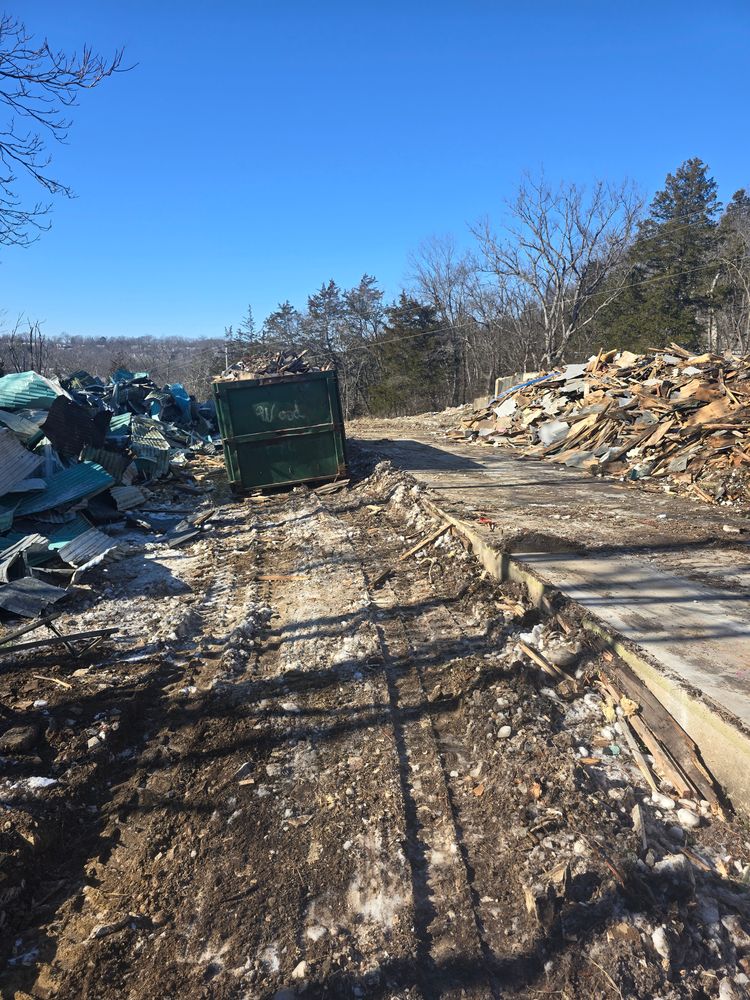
16	462
146	433
91	545
15	552
26	425
67	532
29	485
8	512
83	380
127	497
46	517
29	597
115	462
85	479
70	426
28	390
119	425
130	475
150	446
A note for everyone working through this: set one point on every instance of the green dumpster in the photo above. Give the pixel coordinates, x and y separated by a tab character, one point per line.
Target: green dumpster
280	431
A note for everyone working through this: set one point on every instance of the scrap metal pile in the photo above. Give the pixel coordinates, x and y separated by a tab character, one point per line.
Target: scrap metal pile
679	419
73	455
279	365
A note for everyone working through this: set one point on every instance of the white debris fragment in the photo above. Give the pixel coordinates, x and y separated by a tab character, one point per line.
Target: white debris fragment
38	782
299	971
687	819
661	944
662	801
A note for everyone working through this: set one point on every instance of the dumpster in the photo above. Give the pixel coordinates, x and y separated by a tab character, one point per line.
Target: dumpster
282	430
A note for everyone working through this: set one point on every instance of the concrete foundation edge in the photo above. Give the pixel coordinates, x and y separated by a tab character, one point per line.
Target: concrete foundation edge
725	747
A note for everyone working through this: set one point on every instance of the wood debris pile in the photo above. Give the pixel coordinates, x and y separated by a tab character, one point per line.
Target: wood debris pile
279	365
668	416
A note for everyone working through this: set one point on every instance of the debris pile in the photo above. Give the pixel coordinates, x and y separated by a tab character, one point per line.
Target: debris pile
669	416
136	393
279	365
74	455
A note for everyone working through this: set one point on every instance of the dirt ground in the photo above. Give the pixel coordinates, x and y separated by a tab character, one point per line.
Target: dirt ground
288	776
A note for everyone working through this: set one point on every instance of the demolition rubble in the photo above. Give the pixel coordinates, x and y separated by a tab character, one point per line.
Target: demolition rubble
271	365
76	456
327	755
668	417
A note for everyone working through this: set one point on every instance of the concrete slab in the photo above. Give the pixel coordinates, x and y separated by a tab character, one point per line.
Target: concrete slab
659	575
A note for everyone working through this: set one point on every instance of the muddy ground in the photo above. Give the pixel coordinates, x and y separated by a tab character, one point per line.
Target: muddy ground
288	776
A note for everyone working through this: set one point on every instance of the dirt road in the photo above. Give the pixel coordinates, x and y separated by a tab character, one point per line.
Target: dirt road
291	776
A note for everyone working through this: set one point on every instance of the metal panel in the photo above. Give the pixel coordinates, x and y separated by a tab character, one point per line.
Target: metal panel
85	479
26	425
69	426
91	545
28	390
8	507
127	497
16	462
150	446
115	462
10	555
29	485
29	597
279	431
119	425
67	532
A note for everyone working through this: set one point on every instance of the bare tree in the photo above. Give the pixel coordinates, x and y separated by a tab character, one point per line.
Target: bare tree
733	277
444	277
563	253
38	86
25	348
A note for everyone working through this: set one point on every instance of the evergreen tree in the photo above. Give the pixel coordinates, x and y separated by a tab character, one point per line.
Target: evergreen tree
412	360
246	329
282	329
363	309
325	317
239	342
669	292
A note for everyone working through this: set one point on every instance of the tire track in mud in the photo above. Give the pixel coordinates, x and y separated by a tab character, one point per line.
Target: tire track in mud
153	806
462	948
291	820
455	757
284	841
454	958
325	693
306	815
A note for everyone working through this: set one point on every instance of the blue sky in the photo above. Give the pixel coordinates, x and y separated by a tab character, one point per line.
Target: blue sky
260	148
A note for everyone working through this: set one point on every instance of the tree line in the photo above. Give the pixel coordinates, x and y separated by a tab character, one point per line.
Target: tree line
570	270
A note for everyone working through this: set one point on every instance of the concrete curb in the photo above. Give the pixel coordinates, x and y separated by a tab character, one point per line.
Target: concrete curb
724	742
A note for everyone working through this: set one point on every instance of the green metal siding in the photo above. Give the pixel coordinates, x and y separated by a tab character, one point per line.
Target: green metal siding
281	431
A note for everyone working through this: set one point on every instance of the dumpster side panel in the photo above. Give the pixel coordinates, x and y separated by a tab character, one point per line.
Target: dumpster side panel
279	431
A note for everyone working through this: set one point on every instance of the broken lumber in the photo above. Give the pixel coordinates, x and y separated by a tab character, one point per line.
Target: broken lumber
55	640
425	542
542	661
637	755
681	748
